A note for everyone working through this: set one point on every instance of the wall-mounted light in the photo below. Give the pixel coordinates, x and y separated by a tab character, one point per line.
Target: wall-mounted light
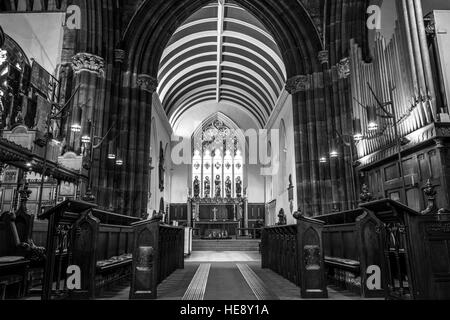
323	160
372	118
111	151
76	119
334	153
357	130
119	161
86	135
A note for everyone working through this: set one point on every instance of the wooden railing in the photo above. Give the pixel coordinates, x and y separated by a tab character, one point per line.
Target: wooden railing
158	252
295	252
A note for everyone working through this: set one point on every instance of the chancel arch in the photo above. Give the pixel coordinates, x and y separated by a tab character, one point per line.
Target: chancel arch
156	54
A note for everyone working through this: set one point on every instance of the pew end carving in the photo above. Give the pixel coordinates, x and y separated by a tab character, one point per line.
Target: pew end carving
296	253
415	248
158	250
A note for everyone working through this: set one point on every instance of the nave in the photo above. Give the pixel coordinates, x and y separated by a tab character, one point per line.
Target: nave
227	275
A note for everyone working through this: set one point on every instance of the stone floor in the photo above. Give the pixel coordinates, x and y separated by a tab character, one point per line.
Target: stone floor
226	276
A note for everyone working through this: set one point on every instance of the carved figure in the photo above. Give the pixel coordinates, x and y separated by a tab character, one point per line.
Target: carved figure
228	187
207	187
196	187
239	187
218	188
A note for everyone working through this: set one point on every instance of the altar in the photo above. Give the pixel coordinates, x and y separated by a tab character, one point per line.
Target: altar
217	218
217	229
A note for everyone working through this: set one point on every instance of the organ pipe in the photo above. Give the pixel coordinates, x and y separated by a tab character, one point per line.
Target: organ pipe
404	64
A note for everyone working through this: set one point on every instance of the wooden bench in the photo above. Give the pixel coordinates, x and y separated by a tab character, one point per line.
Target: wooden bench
296	253
352	242
78	236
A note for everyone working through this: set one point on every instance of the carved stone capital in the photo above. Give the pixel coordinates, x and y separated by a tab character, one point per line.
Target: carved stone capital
147	83
88	62
324	56
344	68
119	55
298	83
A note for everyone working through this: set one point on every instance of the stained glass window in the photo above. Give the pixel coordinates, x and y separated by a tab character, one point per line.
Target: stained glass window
217	162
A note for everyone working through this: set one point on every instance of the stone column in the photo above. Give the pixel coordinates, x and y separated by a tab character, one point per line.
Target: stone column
111	119
297	87
88	69
139	181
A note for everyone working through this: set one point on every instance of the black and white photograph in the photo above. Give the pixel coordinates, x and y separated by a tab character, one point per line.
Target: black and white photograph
212	157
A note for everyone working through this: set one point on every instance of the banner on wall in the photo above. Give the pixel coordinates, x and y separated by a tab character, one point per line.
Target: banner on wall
40	78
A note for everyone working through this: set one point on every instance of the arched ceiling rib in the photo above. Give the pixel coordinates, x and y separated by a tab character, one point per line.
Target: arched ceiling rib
221	53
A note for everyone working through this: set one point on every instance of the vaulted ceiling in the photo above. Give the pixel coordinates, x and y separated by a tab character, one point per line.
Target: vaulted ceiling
224	54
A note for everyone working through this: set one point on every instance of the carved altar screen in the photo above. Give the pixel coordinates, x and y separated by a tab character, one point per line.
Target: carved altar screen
217	166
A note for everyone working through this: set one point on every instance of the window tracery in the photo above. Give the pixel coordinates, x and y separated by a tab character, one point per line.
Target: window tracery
217	162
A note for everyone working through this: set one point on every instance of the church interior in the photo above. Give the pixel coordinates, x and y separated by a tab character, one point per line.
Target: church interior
224	150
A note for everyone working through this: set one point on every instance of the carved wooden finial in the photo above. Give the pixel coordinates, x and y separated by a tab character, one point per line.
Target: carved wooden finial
365	195
430	193
298	214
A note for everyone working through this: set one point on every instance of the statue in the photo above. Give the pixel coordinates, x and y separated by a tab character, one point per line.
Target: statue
196	187
239	187
281	218
228	187
218	188
207	187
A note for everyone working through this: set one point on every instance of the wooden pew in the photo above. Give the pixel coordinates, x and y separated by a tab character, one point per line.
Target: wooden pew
296	253
415	247
77	236
352	242
158	252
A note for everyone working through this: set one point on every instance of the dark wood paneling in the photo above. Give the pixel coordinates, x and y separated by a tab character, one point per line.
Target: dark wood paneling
256	211
384	181
178	212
